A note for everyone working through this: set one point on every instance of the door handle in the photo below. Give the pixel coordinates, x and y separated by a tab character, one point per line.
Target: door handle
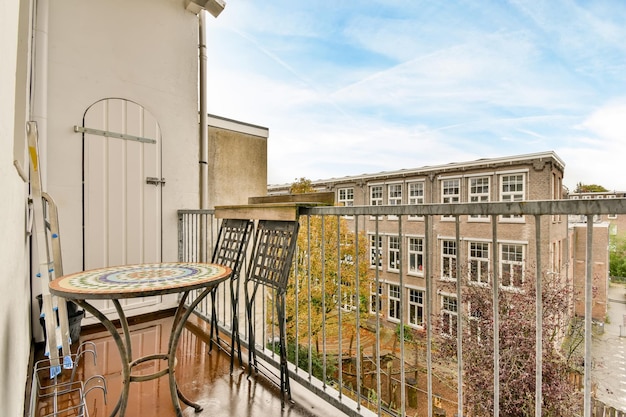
155	181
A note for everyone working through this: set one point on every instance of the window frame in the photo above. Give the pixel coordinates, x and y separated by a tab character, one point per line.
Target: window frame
376	296
393	253
448	260
515	265
394	198
480	197
415	253
512	196
372	250
417	198
393	302
450	197
481	261
449	322
416	306
376	194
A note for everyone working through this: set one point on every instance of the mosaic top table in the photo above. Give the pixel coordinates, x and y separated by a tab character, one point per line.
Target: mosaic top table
130	281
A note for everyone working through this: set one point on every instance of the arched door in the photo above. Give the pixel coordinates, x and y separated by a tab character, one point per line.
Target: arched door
121	189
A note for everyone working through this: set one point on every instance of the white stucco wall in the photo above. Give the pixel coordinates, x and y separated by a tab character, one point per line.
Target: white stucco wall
14	282
141	50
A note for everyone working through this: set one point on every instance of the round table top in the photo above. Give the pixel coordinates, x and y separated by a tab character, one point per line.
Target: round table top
141	280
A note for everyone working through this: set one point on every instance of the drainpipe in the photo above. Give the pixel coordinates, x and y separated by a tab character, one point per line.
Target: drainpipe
204	119
201	7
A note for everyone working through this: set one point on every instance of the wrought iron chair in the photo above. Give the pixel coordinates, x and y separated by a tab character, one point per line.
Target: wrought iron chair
274	246
230	248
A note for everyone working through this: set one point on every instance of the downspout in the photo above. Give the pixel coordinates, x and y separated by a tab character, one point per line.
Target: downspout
204	119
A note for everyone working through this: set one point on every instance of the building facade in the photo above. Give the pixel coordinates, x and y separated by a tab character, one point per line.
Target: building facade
509	179
605	228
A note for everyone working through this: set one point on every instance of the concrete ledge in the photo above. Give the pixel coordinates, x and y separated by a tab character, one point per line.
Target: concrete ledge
275	211
322	198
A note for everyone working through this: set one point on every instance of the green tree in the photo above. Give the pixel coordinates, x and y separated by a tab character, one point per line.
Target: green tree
589	188
617	256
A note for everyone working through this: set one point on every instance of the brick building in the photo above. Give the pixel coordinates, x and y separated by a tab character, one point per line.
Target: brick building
536	176
604	227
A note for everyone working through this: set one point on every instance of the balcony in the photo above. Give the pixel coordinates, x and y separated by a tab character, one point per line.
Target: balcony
383	327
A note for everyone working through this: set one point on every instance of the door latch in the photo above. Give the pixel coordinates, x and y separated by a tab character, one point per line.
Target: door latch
155	181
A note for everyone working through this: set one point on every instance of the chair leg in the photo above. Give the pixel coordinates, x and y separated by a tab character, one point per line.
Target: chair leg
214	327
252	362
235	344
285	388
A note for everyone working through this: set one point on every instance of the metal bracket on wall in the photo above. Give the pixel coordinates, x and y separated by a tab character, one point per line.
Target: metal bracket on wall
155	181
80	129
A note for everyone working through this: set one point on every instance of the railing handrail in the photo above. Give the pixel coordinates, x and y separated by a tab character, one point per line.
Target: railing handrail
528	207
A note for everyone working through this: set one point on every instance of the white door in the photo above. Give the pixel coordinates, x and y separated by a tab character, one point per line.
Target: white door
121	191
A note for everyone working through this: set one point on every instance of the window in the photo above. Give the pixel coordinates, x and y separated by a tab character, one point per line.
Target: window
376	299
416	196
512	189
416	255
394	197
479	262
376	195
449	315
394	301
345	197
511	264
376	250
478	193
394	253
416	307
450	192
448	259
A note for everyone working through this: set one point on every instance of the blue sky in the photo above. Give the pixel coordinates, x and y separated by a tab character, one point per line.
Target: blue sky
353	87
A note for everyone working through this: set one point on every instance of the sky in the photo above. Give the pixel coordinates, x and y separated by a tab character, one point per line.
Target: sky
355	87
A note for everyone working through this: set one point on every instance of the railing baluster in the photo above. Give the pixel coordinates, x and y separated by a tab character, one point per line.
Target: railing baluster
357	299
323	278
401	313
339	315
588	313
495	285
539	320
459	322
429	311
378	303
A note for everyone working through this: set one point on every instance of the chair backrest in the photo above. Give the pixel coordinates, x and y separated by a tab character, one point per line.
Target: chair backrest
274	246
232	243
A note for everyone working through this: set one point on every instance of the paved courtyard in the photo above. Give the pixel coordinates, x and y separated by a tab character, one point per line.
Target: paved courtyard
609	352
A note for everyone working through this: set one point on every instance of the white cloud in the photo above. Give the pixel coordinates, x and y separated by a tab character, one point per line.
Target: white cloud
388	85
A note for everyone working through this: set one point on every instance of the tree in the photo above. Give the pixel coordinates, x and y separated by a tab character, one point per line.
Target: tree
517	324
617	256
328	249
589	188
301	186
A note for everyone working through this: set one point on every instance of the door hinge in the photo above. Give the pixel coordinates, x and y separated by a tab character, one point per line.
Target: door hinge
155	181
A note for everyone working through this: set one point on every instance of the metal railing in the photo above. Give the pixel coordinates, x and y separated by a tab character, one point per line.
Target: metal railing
374	360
